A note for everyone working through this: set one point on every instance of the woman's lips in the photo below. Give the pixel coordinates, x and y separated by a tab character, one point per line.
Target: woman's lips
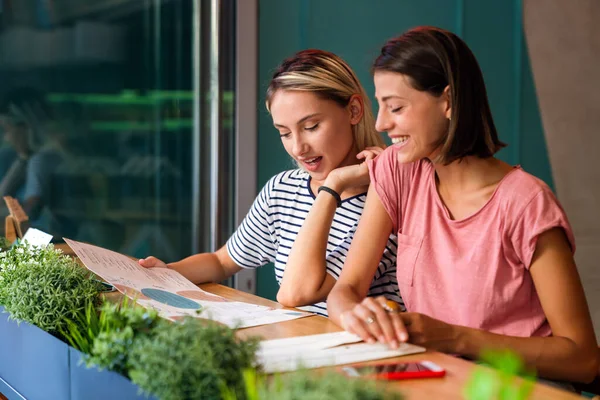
314	163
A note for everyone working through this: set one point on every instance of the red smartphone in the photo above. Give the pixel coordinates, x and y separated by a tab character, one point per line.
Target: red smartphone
396	370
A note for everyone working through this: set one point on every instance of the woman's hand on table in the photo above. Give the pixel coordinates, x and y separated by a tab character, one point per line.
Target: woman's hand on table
375	321
152	262
372	322
431	333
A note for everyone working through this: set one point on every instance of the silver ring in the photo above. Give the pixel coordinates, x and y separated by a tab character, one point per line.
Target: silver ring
370	320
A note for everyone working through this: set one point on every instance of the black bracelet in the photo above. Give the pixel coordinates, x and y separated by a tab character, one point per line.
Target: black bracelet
335	194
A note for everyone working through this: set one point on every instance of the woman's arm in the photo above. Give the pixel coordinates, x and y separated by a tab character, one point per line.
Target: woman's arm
361	263
571	353
251	246
200	268
305	279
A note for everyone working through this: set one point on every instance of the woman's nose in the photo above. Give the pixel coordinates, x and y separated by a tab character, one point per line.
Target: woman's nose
299	147
382	124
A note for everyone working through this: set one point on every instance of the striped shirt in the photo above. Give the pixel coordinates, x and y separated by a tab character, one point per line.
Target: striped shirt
272	224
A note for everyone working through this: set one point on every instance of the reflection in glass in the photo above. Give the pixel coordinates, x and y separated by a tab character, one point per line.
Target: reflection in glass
96	120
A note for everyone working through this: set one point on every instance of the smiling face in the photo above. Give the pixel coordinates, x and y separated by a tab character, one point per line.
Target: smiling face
416	121
316	132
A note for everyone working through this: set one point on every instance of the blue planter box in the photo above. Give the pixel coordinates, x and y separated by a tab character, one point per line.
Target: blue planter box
36	365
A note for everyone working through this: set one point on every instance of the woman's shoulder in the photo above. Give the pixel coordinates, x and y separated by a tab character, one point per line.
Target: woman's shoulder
519	189
523	185
290	180
531	207
290	176
387	166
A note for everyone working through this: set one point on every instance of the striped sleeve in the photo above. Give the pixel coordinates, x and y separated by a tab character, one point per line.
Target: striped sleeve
253	244
343	228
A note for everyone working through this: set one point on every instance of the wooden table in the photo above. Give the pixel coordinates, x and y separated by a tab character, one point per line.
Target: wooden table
449	387
65	249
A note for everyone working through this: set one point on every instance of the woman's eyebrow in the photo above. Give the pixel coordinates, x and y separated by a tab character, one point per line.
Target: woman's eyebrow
301	120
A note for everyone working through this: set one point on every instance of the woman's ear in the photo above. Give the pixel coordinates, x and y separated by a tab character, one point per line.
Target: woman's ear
356	108
447	99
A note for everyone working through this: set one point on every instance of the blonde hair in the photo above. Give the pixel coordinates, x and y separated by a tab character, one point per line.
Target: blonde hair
330	78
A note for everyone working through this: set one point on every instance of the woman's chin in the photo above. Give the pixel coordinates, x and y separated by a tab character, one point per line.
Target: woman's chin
318	176
407	158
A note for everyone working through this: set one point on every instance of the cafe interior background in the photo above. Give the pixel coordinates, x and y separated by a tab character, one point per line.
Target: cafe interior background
153	110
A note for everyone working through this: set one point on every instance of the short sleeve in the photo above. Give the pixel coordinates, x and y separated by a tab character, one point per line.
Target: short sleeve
542	213
253	244
383	172
334	260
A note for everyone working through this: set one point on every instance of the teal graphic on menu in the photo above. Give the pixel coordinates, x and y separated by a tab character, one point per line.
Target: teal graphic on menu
170	299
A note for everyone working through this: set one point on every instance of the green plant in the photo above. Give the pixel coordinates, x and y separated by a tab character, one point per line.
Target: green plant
500	382
23	253
4	243
81	331
305	385
119	327
191	359
41	286
106	335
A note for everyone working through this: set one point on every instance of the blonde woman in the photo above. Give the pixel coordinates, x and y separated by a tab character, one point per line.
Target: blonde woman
298	221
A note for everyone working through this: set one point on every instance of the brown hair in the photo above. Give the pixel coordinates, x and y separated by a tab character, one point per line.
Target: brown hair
432	59
330	78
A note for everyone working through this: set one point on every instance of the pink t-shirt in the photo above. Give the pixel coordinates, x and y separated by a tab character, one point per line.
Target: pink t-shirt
472	272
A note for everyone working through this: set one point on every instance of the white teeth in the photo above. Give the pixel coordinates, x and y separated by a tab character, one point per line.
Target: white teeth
311	160
401	139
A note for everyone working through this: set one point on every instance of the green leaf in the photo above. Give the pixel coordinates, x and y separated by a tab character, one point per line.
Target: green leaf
191	359
306	385
499	381
42	286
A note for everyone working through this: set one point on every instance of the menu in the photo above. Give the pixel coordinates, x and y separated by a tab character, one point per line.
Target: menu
170	293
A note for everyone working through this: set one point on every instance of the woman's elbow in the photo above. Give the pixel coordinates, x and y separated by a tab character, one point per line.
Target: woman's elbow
296	297
290	298
587	367
592	367
284	298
